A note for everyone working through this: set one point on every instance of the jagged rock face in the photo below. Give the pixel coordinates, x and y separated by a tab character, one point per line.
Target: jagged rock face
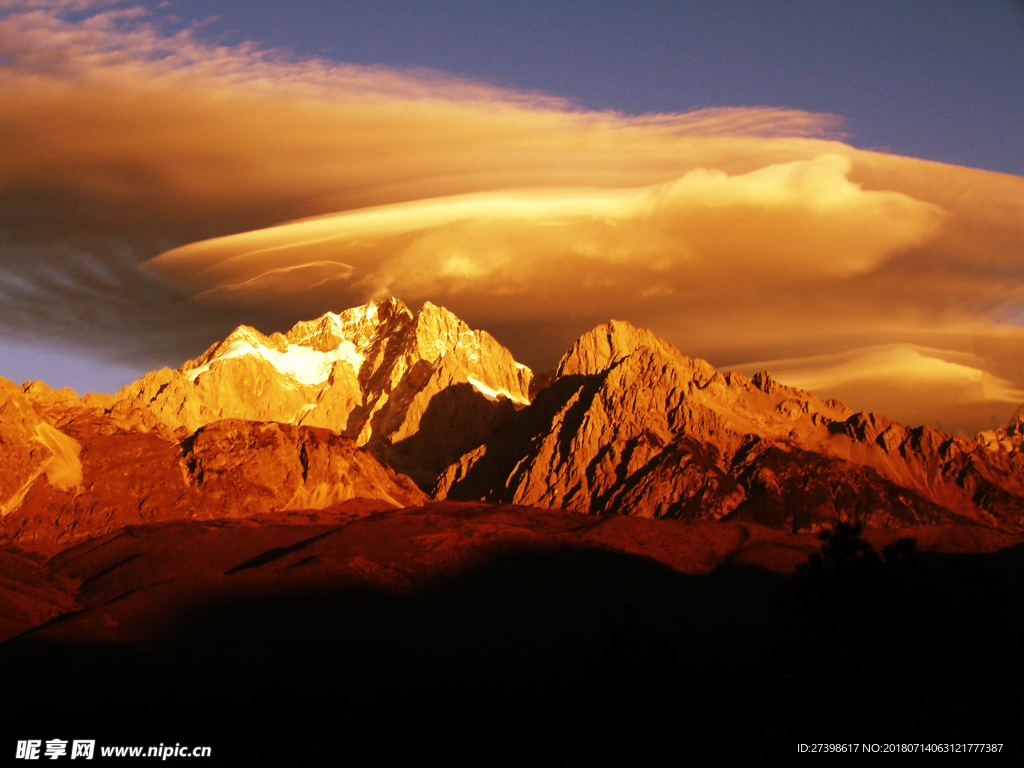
630	425
1009	439
227	469
265	467
30	448
62	408
377	374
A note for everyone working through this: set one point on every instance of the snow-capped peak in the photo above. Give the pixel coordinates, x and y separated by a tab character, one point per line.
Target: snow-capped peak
309	351
304	364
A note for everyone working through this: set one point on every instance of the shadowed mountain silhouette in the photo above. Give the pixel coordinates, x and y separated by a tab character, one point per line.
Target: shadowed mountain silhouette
906	642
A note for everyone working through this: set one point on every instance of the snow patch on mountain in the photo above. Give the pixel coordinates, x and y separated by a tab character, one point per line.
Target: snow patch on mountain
493	394
305	365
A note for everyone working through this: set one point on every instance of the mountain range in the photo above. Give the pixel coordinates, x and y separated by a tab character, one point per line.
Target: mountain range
378	532
394	408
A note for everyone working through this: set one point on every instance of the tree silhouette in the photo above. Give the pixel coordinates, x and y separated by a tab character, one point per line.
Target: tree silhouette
893	643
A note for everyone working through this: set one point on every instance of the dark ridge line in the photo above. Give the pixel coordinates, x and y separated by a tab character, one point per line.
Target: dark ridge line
105	571
278	552
304	561
97	541
133	591
49	622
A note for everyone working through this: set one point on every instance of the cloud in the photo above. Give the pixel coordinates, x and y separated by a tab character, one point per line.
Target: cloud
909	383
125	136
261	188
299	279
789	223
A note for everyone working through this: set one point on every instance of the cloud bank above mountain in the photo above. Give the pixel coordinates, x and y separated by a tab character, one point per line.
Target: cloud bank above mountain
907	382
791	222
737	234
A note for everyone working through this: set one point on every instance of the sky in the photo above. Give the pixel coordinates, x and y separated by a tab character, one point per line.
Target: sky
832	191
933	79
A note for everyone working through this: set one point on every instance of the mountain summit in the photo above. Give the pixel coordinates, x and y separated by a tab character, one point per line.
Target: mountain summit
417	390
630	425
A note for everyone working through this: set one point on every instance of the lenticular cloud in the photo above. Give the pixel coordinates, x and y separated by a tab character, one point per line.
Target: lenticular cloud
261	189
788	223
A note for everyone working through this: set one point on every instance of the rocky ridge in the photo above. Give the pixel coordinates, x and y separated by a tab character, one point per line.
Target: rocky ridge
417	390
1009	439
77	468
31	448
630	425
624	424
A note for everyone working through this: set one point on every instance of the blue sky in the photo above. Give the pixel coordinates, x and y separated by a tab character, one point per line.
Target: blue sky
933	79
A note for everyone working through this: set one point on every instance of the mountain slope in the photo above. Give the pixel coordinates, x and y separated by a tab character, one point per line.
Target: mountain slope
74	469
417	390
30	448
630	425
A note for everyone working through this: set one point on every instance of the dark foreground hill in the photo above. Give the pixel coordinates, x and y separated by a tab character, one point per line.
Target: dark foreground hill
490	633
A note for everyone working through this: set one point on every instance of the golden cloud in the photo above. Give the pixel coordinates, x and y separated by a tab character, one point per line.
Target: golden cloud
907	382
791	222
738	234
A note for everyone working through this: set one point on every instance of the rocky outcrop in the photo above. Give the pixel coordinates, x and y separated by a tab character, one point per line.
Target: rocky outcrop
104	413
1009	439
417	390
630	425
31	448
74	469
252	467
